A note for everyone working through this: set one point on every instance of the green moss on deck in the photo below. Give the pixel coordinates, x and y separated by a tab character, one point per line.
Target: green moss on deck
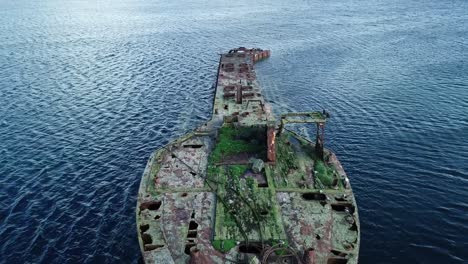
255	209
237	170
296	163
243	209
224	245
285	171
232	141
286	157
324	173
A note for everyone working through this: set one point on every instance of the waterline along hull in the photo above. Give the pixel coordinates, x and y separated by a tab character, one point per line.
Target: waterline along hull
243	188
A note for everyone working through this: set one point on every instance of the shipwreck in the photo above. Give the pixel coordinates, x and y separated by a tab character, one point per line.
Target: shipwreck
244	187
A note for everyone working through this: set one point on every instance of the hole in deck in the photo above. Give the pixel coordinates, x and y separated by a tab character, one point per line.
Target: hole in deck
144	228
314	196
193	225
229	88
152	205
343	208
192	234
338	253
252	248
195	146
337	261
188	246
232	212
152	247
146	239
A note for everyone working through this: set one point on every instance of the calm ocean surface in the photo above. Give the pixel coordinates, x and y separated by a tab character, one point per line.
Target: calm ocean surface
89	89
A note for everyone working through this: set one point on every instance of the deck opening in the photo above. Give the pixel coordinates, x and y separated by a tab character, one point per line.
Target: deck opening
340	199
152	205
146	239
337	261
192	234
144	228
251	248
338	253
232	212
314	196
335	182
345	207
193	225
229	88
195	146
152	247
188	247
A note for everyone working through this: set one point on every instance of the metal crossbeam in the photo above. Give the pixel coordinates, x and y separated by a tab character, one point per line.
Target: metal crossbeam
319	118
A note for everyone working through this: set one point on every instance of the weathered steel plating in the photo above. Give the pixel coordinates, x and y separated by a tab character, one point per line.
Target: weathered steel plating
242	188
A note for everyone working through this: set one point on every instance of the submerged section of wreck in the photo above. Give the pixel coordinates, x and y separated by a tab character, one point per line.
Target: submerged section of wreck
243	188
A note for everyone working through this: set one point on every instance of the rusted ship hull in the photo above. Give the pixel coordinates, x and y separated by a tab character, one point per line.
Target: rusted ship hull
243	188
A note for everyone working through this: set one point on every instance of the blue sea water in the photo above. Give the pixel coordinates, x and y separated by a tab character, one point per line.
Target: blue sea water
89	89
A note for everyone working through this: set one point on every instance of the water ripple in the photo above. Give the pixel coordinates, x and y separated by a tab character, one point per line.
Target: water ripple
90	89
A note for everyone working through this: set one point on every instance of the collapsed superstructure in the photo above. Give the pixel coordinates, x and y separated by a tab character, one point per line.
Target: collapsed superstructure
244	188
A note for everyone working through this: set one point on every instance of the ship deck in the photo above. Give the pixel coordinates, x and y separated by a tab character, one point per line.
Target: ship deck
239	189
